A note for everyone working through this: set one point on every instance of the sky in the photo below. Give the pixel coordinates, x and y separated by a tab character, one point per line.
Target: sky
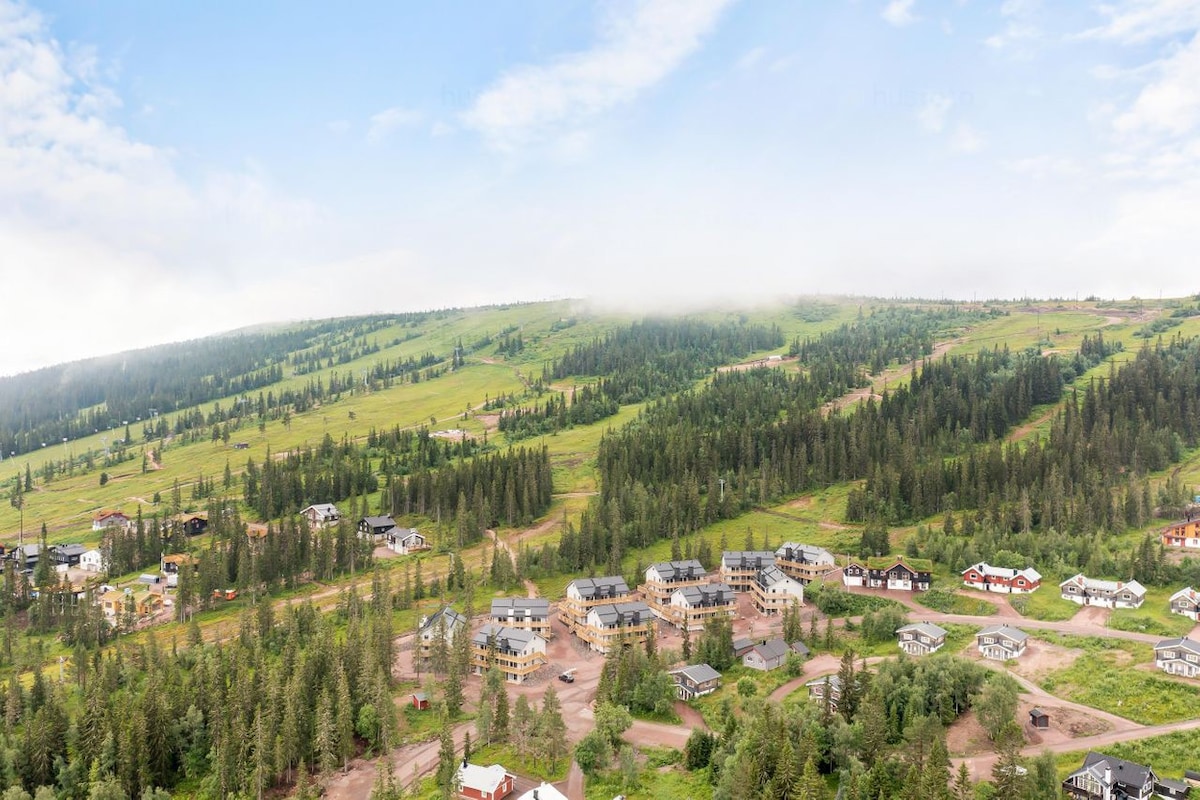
170	170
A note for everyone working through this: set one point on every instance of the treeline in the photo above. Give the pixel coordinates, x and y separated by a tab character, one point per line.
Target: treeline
764	434
890	334
583	406
654	358
76	399
286	694
885	740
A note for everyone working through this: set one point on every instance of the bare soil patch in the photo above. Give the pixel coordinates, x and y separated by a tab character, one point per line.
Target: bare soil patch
1092	615
1042	658
490	422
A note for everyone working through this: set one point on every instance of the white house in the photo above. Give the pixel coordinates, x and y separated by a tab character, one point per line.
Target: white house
321	514
93	561
921	638
406	540
1109	594
1178	657
544	792
1186	602
1000	642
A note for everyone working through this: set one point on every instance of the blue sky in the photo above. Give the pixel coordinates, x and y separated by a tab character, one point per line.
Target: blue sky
171	170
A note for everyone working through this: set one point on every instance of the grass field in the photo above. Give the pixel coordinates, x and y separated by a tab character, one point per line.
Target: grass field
1153	617
952	602
1118	676
1045	604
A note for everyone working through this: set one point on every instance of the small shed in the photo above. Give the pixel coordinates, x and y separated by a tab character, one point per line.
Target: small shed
420	701
1039	718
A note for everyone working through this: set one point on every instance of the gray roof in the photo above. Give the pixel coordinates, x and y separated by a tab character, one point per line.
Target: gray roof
512	640
679	570
712	594
1106	587
70	549
800	647
453	619
1126	772
747	559
742	644
533	607
1183	644
835	682
1005	631
804	553
380	522
769	576
597	588
634	613
776	648
697	673
927	628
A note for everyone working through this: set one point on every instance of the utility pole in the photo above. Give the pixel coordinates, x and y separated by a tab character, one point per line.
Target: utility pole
721	483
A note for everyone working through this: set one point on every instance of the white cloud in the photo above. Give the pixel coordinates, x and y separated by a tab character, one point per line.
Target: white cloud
932	114
751	58
966	139
390	120
1138	21
1170	103
632	54
1020	27
899	12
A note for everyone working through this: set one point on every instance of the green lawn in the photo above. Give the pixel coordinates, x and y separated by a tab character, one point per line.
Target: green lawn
953	602
1112	675
1044	604
1154	617
1169	755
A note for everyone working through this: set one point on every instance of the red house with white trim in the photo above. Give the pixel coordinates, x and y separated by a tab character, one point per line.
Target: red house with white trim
484	783
1001	579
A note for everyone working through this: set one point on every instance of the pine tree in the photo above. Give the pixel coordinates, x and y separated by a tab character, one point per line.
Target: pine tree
552	730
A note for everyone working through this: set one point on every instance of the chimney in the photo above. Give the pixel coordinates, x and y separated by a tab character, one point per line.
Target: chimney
464	764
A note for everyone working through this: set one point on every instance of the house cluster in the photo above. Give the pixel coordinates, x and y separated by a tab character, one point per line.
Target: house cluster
681	593
1108	594
890	572
1104	777
384	531
1001	579
513	640
26	557
775	580
603	613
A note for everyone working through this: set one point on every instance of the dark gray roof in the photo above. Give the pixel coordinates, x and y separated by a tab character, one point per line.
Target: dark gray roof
633	613
697	673
597	588
506	639
1126	772
531	607
679	570
70	549
380	522
712	594
835	682
800	647
776	648
747	559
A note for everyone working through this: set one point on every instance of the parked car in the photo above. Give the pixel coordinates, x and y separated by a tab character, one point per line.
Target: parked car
567	677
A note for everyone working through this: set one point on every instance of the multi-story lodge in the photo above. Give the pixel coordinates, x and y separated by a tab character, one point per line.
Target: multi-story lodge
523	613
1185	533
804	562
1109	594
890	572
1000	642
740	567
614	624
693	606
584	594
773	591
516	653
665	577
1187	603
1001	579
1178	657
921	638
1107	778
445	622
